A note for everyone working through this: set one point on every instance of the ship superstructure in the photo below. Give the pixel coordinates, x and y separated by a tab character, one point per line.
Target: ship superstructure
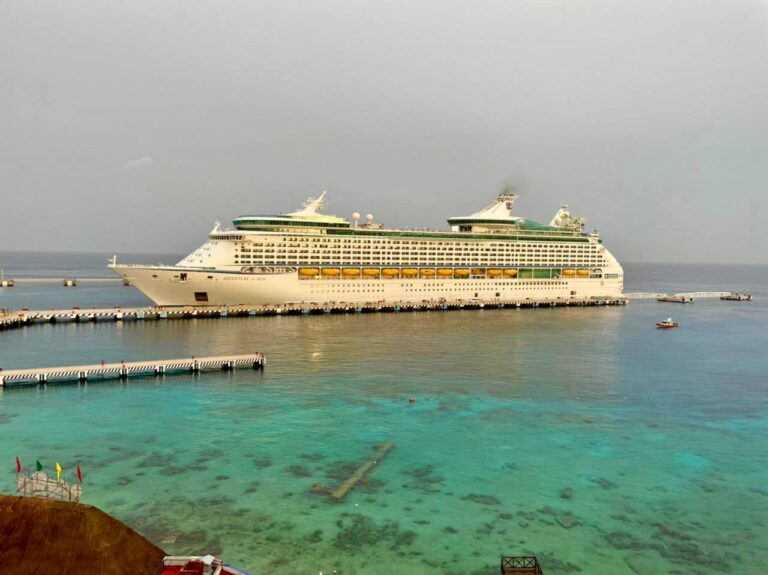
308	256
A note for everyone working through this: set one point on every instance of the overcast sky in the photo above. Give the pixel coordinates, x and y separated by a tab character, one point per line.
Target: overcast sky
132	126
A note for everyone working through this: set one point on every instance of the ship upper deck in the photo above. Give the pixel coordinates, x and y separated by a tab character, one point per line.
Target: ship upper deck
493	222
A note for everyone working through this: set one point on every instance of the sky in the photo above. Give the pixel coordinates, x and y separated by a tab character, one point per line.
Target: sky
133	126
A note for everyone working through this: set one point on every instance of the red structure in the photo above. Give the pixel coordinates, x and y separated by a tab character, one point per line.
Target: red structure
528	565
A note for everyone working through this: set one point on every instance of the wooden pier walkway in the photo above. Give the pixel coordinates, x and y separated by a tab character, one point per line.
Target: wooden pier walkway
124	370
10	319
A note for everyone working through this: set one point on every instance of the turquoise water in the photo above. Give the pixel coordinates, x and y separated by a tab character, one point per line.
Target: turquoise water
584	436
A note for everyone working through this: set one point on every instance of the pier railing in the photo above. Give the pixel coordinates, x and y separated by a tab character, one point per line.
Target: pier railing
84	315
40	485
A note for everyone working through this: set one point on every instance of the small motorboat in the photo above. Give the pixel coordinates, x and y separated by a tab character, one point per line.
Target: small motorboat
191	565
667	323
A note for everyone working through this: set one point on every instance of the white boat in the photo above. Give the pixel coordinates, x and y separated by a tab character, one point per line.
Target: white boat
310	257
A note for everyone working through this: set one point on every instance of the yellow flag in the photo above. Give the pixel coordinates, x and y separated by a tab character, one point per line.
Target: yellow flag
58	471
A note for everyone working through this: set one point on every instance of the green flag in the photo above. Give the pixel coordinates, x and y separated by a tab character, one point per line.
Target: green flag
39	465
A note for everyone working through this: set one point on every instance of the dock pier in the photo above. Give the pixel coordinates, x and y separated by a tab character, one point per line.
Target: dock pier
661	296
14	319
123	370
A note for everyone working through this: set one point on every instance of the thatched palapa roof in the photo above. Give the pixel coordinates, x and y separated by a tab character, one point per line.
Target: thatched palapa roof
41	537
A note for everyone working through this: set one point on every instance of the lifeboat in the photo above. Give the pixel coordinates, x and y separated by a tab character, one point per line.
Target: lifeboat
478	272
350	272
461	272
410	272
390	272
582	273
445	272
426	273
569	272
308	272
510	273
330	272
494	273
371	272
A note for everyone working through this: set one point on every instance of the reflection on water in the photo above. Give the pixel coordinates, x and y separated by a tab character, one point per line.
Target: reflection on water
581	435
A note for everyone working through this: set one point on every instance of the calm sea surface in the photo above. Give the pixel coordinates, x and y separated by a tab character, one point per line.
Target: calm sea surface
584	436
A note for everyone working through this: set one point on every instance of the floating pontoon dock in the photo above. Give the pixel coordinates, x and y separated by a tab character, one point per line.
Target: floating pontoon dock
11	319
124	370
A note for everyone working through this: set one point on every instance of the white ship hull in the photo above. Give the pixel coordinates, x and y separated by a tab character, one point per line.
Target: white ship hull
179	286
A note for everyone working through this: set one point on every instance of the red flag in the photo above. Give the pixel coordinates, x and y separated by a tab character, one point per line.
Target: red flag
79	474
18	465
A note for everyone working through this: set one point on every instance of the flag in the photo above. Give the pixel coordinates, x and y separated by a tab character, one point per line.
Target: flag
18	465
39	465
58	471
79	474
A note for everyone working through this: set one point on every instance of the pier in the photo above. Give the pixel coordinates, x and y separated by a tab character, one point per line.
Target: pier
665	296
123	370
10	319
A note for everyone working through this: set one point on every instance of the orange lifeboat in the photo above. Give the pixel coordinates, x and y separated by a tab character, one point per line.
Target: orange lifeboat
582	273
426	273
461	272
445	272
308	272
510	273
478	272
410	272
390	272
350	272
569	272
494	273
330	272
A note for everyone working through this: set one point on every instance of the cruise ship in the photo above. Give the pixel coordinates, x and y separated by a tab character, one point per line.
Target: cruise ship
307	256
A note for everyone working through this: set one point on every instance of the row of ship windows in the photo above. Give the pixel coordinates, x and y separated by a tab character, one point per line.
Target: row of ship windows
418	255
419	252
464	285
326	241
422	247
517	263
419	258
505	263
543	285
412	245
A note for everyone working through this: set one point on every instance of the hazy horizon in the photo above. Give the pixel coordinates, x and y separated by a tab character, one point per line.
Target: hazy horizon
133	127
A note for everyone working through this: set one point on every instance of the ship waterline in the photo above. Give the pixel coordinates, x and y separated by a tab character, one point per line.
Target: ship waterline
222	288
310	257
